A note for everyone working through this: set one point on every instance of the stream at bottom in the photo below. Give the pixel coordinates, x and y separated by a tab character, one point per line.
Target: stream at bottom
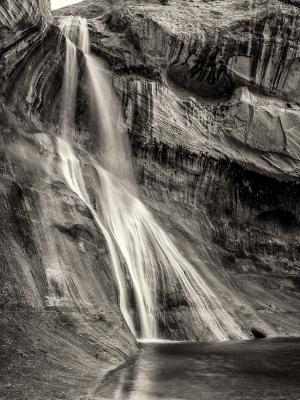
254	369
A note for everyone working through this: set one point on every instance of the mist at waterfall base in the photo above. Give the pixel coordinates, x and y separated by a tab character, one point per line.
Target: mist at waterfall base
151	273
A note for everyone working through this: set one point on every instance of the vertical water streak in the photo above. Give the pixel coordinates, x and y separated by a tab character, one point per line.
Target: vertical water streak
121	213
72	172
75	28
115	149
69	89
154	263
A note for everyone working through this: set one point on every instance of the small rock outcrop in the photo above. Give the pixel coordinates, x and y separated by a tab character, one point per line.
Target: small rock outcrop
258	333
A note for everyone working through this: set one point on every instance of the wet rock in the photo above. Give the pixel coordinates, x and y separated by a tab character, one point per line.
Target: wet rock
76	231
258	333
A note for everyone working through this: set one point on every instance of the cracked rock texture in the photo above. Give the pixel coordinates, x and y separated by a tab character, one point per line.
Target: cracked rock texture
210	94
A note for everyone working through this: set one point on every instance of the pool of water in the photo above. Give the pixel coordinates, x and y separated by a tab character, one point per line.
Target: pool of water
256	369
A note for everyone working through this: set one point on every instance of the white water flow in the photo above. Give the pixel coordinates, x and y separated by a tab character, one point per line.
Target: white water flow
70	165
156	270
69	83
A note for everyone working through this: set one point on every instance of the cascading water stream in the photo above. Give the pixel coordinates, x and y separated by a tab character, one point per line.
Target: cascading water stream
70	165
69	83
72	173
156	268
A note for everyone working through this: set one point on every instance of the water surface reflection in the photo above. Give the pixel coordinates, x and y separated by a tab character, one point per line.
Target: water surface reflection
263	369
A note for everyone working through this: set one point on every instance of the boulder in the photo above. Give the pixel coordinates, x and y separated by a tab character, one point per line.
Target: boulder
258	333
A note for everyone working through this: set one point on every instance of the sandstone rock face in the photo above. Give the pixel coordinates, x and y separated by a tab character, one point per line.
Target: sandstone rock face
210	94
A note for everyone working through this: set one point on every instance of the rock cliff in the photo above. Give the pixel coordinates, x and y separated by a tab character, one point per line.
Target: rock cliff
210	95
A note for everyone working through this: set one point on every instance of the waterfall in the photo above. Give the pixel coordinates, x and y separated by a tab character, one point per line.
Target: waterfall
141	251
70	165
